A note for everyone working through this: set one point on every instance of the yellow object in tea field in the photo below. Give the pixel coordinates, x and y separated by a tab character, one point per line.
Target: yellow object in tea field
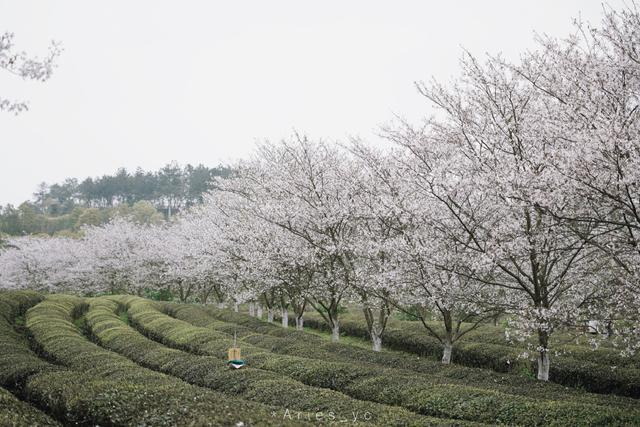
234	354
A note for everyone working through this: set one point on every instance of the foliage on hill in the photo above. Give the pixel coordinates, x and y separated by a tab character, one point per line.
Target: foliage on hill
26	220
62	208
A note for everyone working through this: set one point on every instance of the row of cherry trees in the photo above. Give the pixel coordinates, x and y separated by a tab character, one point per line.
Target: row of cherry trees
519	198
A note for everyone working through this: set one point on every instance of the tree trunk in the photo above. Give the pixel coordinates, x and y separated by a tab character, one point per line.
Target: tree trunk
235	307
335	332
376	340
543	366
446	354
181	293
206	293
220	305
376	322
270	315
543	356
285	318
298	312
259	312
609	331
252	309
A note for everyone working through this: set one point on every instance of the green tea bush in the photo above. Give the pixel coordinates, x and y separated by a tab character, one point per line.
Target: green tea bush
363	382
14	412
580	367
289	341
17	361
249	383
64	393
112	390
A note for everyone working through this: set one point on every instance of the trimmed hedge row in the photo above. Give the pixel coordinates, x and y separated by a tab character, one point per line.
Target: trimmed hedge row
18	364
562	342
14	412
15	303
253	384
586	373
289	341
110	389
68	395
17	361
380	384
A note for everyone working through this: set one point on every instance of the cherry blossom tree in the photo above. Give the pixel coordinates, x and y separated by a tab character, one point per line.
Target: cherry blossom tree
222	235
277	267
489	164
113	250
18	63
412	259
45	264
592	82
303	188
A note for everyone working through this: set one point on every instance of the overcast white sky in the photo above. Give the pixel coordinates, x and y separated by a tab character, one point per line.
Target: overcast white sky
141	83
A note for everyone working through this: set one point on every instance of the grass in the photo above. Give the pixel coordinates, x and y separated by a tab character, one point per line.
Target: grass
80	323
124	317
19	321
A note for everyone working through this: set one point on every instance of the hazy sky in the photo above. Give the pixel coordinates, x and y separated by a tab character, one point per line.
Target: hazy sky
141	83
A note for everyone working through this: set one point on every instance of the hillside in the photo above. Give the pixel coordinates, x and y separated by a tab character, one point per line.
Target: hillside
149	196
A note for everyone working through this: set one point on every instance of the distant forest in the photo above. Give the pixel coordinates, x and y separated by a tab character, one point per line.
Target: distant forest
148	196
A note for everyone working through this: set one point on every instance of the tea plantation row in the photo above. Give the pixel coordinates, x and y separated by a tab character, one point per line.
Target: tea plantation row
124	360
